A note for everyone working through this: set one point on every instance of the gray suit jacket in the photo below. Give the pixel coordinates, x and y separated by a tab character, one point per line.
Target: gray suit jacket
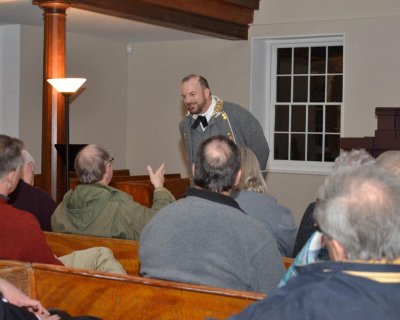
231	120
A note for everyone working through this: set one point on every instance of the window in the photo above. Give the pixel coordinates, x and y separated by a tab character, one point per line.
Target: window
303	104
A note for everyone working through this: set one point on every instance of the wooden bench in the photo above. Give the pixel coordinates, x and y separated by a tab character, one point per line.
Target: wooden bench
125	251
115	297
177	186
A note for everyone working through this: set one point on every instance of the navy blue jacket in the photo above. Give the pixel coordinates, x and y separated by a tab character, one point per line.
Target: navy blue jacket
325	291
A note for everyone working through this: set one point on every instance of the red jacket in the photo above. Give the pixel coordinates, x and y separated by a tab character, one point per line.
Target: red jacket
21	237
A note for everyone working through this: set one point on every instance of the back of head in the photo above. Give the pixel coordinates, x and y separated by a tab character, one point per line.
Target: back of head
28	168
390	160
10	154
354	157
217	164
360	208
90	163
251	178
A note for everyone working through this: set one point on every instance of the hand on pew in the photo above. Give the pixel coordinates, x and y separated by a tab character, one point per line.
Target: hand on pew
16	297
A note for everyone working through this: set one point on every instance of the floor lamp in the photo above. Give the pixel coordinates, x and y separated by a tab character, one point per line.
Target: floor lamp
66	86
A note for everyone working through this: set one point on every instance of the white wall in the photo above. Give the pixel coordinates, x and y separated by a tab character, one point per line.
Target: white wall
370	30
9	79
98	114
154	102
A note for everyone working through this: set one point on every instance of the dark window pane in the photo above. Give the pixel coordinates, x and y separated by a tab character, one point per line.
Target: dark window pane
317	89
283	86
300	88
300	60
284	61
298	118
318	60
281	118
297	150
332	119
281	146
315	118
332	142
335	59
334	92
314	147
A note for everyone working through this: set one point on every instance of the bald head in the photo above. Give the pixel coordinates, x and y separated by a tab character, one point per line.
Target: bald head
359	207
217	164
91	163
390	161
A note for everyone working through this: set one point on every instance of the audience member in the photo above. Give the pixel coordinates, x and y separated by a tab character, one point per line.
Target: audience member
210	116
20	233
26	197
206	238
358	212
94	208
251	195
314	250
354	157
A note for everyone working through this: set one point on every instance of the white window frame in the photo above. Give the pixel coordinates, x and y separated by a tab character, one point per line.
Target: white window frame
262	90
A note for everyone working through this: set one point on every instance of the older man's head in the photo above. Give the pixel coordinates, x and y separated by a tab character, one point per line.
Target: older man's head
359	213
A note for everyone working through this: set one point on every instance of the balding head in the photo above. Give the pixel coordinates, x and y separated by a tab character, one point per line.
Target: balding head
359	208
91	163
28	168
390	161
217	164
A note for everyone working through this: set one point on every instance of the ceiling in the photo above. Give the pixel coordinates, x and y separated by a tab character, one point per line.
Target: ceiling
93	24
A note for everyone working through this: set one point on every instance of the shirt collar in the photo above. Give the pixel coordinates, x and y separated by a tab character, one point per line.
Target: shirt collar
213	196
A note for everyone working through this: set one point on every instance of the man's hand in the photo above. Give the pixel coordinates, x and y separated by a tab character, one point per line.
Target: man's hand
18	298
157	178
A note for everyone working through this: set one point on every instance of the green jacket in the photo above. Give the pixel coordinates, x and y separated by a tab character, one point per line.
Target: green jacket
99	210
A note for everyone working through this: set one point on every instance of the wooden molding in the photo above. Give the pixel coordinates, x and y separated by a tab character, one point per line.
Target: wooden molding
226	19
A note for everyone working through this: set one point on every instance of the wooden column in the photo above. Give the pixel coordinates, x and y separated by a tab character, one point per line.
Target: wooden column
53	120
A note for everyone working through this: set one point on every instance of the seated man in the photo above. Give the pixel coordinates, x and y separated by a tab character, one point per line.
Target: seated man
94	208
26	197
358	212
206	238
20	233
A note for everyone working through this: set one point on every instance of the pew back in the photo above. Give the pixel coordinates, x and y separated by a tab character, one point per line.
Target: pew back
117	297
125	251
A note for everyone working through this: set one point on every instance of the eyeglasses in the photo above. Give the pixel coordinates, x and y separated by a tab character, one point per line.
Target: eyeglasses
110	161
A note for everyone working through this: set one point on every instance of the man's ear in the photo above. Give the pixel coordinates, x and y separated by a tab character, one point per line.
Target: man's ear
207	92
238	176
336	250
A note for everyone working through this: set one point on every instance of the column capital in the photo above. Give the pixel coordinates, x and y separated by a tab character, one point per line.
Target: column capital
56	6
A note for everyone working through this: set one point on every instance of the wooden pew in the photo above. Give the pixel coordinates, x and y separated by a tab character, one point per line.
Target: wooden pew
125	251
115	297
177	186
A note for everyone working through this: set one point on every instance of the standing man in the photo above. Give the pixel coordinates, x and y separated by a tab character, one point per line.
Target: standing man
209	116
206	238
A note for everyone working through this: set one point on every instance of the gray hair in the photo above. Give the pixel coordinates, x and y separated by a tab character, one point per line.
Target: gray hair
10	154
360	208
354	157
90	163
27	157
390	160
251	178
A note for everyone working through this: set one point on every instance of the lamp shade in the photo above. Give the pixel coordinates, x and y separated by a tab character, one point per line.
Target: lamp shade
66	85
